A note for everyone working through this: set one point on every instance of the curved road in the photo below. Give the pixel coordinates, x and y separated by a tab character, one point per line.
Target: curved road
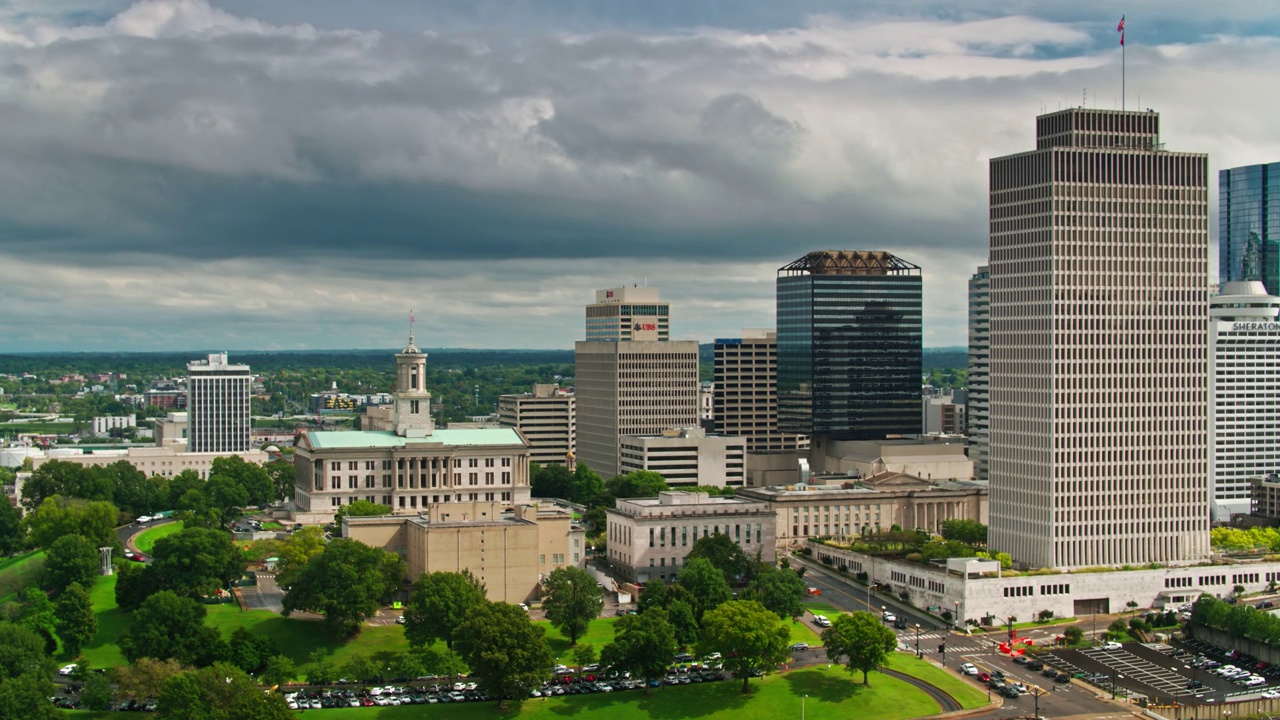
944	700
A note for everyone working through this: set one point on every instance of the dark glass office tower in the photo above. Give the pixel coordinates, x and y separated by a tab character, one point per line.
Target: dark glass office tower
1249	225
849	345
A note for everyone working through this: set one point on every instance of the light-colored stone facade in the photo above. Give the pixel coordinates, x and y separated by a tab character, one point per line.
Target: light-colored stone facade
978	589
547	418
687	456
932	461
510	549
165	461
846	508
648	538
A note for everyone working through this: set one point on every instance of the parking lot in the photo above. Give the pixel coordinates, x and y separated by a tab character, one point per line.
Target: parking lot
1163	673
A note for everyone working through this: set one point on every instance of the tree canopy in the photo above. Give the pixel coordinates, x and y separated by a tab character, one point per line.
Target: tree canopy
965	531
297	551
221	692
71	559
637	483
748	637
345	582
75	619
643	645
12	534
779	589
508	654
725	554
167	625
680	606
25	668
438	604
194	562
571	600
861	639
57	516
251	477
706	584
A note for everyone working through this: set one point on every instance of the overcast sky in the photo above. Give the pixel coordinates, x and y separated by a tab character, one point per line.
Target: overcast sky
298	174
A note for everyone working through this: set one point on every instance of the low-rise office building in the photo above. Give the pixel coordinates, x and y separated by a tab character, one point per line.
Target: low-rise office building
508	548
978	589
686	456
165	461
547	419
844	507
922	458
648	538
105	424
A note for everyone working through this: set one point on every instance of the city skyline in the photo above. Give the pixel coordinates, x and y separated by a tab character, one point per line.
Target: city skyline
181	174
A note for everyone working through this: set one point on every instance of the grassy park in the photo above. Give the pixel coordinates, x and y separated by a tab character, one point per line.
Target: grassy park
146	540
19	572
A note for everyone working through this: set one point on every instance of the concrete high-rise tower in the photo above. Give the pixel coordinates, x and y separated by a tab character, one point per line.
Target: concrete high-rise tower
977	411
629	379
1244	391
1098	386
218	405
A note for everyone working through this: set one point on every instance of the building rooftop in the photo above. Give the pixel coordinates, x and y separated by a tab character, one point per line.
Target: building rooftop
336	439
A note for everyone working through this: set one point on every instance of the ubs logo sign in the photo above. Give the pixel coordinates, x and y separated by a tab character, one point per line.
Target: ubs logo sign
645	326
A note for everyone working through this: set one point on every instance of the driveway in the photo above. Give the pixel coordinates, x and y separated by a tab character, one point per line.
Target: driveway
266	595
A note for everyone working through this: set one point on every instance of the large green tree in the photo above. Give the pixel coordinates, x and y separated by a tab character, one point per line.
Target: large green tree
638	483
706	584
97	693
728	557
71	559
248	651
170	626
253	478
221	692
145	677
439	603
279	670
680	606
193	562
586	485
75	619
643	645
12	534
508	654
57	516
965	531
297	551
861	639
68	479
571	599
779	589
283	477
345	583
748	637
226	498
550	481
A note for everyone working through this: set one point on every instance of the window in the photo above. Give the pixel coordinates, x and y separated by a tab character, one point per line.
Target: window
506	478
542	559
473	462
650	537
488	462
472	478
506	462
488	478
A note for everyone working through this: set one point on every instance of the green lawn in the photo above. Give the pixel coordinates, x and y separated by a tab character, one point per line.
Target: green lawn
16	573
965	692
103	651
599	633
146	540
803	633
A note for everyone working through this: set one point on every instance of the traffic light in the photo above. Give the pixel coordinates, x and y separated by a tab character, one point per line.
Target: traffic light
942	648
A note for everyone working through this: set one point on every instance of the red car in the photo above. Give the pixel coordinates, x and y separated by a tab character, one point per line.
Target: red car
984	677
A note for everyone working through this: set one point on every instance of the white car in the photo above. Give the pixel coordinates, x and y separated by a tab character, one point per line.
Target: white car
67	669
1112	645
969	669
821	621
1271	694
889	617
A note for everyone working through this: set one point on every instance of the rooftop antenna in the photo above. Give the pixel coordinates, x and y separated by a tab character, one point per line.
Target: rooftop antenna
1084	97
410	327
1120	29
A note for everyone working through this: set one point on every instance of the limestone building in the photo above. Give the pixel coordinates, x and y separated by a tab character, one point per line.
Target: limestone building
509	548
648	538
842	507
687	456
412	466
547	418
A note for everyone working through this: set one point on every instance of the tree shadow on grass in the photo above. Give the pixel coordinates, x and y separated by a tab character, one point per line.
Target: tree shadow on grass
666	702
822	686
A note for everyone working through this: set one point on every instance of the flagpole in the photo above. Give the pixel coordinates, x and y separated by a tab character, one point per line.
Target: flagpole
1122	73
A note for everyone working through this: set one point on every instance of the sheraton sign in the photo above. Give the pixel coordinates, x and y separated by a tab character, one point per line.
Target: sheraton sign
1255	326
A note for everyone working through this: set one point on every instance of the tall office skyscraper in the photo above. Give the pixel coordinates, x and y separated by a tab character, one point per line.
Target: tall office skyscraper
1098	431
629	379
217	405
1244	389
1249	225
849	345
977	410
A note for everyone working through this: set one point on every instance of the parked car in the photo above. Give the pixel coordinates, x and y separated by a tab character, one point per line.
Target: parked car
889	617
1035	665
1112	645
1062	678
800	646
821	621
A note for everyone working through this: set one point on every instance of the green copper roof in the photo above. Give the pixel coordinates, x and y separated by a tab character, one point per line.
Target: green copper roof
382	439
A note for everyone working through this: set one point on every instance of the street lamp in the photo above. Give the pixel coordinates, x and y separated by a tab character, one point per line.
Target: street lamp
918	655
883	610
802	699
955	618
1037	691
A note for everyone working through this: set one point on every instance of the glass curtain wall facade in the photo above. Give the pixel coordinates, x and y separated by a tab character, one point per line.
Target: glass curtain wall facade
1249	225
849	345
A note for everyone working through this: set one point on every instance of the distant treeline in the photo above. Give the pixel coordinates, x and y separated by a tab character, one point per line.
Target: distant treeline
174	363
